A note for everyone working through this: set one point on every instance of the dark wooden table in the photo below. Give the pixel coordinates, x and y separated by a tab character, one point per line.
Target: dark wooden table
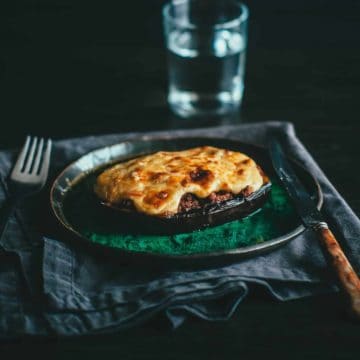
75	68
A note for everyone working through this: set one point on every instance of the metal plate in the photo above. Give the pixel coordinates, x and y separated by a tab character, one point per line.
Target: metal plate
130	149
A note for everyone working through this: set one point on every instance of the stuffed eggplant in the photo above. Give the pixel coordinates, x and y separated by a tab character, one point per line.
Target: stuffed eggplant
182	191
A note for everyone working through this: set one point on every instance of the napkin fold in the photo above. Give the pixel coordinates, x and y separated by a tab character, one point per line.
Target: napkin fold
49	287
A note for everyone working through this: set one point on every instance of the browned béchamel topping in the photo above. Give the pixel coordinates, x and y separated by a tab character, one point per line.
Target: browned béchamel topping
156	183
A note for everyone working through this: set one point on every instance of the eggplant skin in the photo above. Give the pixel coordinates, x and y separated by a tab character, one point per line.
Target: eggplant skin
211	214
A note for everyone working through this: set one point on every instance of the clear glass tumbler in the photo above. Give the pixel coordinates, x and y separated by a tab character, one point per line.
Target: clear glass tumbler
206	42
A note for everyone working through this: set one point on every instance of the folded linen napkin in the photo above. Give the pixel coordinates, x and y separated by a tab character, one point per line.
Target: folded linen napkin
77	293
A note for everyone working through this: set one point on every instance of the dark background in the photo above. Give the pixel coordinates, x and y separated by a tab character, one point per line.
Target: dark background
71	68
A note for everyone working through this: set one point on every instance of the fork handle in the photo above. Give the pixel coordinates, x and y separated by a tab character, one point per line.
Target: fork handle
5	212
348	280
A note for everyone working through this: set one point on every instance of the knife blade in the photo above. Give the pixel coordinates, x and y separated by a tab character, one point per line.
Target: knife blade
304	204
312	218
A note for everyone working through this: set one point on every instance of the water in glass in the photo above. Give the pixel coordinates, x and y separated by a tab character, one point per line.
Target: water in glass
205	72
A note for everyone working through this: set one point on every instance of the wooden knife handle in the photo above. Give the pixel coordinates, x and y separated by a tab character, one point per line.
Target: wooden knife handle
348	280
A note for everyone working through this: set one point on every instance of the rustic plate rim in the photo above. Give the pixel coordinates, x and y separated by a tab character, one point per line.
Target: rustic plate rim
241	251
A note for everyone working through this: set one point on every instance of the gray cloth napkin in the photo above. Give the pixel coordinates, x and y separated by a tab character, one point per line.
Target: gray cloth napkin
49	287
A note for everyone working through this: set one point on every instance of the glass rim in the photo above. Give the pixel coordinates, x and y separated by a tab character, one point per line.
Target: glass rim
225	25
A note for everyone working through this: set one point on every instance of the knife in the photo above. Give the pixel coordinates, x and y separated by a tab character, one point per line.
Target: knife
312	218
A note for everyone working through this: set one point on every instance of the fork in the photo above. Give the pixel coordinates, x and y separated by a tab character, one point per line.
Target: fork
28	175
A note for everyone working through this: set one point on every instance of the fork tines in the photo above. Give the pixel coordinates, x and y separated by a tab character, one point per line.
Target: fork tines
33	159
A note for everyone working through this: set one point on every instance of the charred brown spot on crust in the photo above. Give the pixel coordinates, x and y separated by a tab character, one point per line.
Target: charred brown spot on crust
162	194
184	182
212	152
148	199
201	176
246	161
154	199
157	177
172	181
240	171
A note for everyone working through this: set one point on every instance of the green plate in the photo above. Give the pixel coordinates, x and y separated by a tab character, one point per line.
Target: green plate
85	222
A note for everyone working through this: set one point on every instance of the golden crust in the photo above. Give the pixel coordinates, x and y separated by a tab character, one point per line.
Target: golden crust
156	183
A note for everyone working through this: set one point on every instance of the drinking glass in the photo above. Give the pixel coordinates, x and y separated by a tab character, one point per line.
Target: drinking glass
206	45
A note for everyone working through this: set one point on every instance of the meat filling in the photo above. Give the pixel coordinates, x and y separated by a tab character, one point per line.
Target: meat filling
191	202
220	196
